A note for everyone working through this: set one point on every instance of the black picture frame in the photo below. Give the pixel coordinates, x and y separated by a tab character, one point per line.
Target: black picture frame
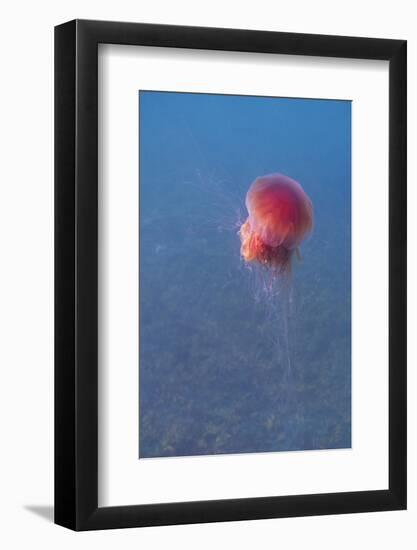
76	273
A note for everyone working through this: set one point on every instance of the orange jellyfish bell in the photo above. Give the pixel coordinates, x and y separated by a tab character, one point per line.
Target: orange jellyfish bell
280	217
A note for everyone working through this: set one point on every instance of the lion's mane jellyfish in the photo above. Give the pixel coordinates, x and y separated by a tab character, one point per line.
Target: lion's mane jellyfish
280	217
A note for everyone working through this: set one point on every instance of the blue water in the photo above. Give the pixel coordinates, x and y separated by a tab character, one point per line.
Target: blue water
230	363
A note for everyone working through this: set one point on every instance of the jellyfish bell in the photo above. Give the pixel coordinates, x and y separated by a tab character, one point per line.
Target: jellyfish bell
279	211
280	218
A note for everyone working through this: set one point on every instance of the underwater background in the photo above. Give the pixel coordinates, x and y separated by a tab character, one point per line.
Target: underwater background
231	361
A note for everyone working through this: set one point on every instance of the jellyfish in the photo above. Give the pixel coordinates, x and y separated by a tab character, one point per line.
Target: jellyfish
280	218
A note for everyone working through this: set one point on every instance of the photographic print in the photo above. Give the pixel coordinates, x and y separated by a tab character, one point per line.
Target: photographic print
212	201
244	275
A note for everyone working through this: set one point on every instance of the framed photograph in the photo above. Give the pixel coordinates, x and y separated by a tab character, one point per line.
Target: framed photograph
230	252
